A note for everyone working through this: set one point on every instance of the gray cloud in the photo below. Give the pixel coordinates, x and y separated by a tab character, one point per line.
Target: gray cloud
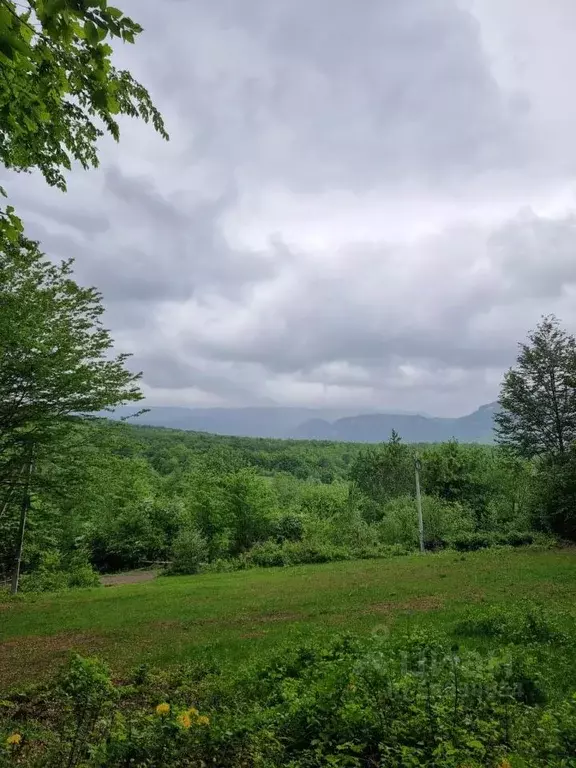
168	371
362	205
314	96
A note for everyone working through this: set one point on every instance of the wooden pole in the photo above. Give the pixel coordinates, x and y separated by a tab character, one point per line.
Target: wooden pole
417	468
24	507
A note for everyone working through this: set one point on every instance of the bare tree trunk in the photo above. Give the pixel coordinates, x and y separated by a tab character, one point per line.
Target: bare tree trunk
25	506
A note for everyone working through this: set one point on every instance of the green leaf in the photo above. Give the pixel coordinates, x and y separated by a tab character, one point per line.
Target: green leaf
6	49
100	99
115	13
113	105
475	744
91	32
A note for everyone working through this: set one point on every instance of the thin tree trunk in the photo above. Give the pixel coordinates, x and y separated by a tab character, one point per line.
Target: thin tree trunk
25	506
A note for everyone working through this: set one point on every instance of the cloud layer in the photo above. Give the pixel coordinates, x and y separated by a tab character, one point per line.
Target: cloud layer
362	205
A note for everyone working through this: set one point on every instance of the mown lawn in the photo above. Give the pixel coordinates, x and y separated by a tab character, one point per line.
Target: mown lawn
235	616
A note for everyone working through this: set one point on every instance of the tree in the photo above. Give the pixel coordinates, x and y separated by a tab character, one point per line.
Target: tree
249	502
459	474
384	473
554	495
190	551
55	363
538	396
58	88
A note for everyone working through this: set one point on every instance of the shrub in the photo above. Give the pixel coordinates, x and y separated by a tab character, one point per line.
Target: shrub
294	553
554	499
249	507
127	537
55	574
288	527
323	501
268	554
189	552
442	521
515	538
523	624
469	542
43	581
394	701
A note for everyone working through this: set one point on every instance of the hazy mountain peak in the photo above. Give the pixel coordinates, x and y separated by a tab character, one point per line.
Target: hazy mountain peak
320	424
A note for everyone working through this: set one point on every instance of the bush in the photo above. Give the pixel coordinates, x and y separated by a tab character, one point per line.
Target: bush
189	552
469	542
55	574
523	624
268	554
83	576
554	500
295	553
43	581
515	538
323	501
288	527
384	701
442	521
373	552
249	507
128	537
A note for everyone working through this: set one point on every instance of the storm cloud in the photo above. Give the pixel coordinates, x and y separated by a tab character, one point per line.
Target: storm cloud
363	205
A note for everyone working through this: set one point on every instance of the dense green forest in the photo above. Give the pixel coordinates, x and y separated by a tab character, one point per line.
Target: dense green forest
120	496
84	496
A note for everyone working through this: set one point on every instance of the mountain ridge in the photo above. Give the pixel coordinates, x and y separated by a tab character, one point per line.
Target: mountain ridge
343	425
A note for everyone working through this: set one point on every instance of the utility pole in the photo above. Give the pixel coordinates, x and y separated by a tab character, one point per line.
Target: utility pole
24	507
417	468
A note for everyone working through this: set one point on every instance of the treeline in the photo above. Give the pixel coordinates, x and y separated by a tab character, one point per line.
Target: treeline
121	497
100	496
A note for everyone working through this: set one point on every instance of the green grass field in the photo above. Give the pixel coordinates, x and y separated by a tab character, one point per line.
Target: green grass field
236	616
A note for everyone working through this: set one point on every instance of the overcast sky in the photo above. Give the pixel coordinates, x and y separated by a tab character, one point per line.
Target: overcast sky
363	204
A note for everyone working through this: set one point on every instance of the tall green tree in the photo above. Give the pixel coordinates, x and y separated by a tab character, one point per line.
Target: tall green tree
384	473
538	395
59	91
459	474
56	363
250	503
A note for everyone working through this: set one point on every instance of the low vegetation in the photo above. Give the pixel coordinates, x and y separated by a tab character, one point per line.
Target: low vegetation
443	660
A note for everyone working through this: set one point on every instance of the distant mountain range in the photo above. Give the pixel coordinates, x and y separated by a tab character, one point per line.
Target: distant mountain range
318	424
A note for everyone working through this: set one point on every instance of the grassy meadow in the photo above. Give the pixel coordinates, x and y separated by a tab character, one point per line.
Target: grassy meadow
238	616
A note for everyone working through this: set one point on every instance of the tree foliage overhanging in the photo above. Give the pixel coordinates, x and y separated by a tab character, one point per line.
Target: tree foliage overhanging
59	93
59	90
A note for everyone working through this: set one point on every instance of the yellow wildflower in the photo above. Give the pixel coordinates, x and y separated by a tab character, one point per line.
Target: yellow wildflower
14	739
184	720
193	712
163	709
505	763
203	720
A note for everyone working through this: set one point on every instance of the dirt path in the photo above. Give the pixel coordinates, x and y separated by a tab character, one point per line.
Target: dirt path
130	577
